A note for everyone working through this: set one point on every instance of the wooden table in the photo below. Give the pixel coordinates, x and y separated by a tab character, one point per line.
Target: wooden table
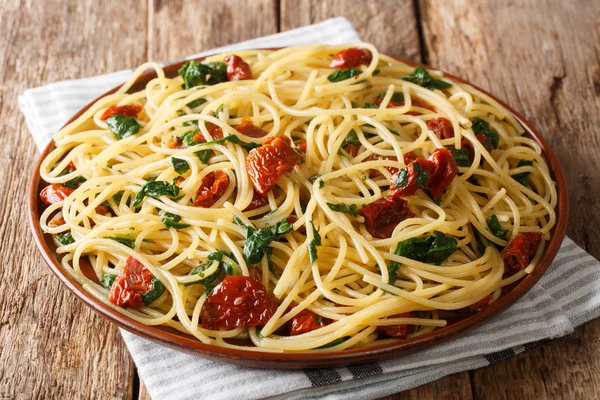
542	57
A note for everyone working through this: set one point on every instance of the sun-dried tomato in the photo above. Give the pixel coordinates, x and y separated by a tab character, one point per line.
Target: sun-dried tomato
351	58
133	281
305	321
249	129
383	215
237	301
518	254
257	202
397	331
352	149
267	163
212	187
442	128
54	193
237	68
126	110
292	219
434	174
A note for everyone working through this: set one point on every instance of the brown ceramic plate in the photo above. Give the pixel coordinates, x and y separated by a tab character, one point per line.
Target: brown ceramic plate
251	357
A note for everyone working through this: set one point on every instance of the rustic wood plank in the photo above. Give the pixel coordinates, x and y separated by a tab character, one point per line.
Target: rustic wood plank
179	28
52	346
390	24
543	58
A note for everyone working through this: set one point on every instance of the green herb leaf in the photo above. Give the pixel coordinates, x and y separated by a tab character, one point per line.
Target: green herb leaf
312	246
150	296
421	77
198	74
523	177
482	242
124	240
428	249
257	240
72	183
269	253
313	178
230	269
343	74
334	342
398	97
196	103
200	269
371	105
65	238
422	177
172	220
155	189
321	183
393	271
401	179
351	138
107	280
180	166
344	208
482	127
495	227
233	139
461	156
121	126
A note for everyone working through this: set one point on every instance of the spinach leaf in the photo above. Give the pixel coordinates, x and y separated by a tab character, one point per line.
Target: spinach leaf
65	238
257	240
107	280
376	71
196	103
312	246
461	156
351	138
371	105
124	240
180	166
482	242
495	227
155	189
314	177
421	77
199	270
428	249
269	253
482	127
230	269
421	175
203	155
189	123
343	74
150	296
344	208
393	272
321	183
398	97
401	179
188	138
172	220
233	139
72	183
121	126
523	177
198	74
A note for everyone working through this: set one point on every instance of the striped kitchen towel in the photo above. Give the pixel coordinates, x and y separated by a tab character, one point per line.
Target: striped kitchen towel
568	295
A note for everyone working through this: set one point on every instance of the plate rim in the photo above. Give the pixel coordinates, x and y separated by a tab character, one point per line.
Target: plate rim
253	358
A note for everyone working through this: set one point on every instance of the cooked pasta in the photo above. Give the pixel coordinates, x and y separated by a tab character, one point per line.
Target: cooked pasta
306	198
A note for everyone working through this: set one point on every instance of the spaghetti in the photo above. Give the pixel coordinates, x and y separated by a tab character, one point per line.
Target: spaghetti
307	198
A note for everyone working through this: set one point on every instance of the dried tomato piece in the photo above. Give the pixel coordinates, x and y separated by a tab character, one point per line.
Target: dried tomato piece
102	210
480	305
434	174
255	273
442	128
383	215
237	68
292	219
301	145
126	110
352	149
249	129
257	201
215	131
133	281
350	58
212	187
267	163
397	331
54	193
237	301
56	222
518	254
305	321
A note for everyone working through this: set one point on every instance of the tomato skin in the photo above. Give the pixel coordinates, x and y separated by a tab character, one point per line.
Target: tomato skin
126	110
249	129
441	168
396	331
383	215
257	202
212	187
301	145
442	128
350	58
54	193
305	321
267	163
408	158
519	252
237	68
352	149
102	210
133	281
237	301
292	219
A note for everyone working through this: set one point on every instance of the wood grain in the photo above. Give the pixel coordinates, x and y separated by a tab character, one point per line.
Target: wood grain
52	346
542	57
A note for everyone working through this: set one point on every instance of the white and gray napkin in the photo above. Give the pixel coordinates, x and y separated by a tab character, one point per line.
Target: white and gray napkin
567	296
